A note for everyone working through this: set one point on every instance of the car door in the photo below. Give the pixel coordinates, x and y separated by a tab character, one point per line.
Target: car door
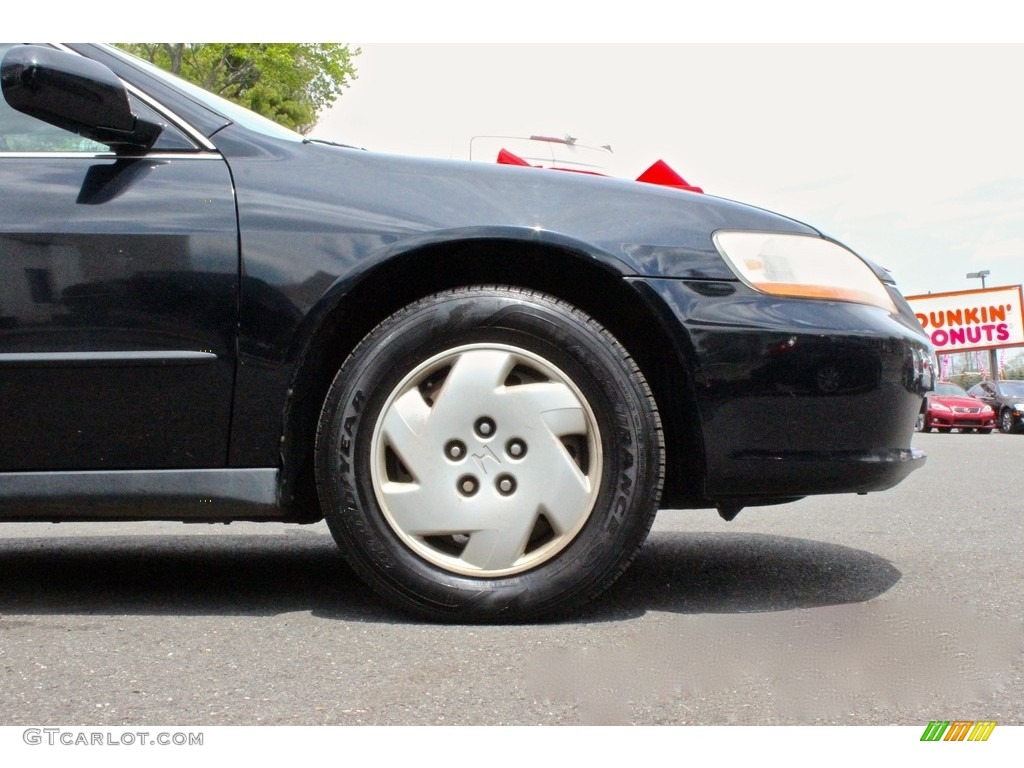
118	300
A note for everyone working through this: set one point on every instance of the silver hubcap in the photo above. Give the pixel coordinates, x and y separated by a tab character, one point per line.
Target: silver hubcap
486	460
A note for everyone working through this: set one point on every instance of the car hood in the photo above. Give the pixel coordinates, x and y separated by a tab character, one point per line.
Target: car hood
956	402
637	228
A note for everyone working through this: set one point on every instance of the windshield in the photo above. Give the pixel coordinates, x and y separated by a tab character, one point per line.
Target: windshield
945	389
233	112
1012	388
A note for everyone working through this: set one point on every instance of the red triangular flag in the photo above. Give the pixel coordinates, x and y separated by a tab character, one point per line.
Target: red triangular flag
661	173
507	158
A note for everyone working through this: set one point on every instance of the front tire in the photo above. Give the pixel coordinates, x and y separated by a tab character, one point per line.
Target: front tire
1006	421
489	454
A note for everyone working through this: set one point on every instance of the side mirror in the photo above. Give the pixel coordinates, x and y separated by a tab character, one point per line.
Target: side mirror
76	94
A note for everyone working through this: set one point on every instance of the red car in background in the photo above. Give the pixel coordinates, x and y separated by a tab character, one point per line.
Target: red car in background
950	407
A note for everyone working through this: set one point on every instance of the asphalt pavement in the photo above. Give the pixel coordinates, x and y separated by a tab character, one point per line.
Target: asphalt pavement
892	608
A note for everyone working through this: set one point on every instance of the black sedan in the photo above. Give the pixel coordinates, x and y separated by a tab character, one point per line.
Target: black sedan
486	378
1006	398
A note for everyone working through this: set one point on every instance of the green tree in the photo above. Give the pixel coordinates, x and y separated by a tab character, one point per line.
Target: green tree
291	83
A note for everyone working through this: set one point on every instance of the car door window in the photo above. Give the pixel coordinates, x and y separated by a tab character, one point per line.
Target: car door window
170	138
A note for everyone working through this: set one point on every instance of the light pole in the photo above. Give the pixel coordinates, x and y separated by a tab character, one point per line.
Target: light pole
993	362
976	275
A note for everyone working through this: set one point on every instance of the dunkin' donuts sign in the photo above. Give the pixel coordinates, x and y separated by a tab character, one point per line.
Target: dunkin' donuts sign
968	320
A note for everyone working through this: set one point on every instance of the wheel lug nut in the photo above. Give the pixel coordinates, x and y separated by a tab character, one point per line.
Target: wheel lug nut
516	448
455	450
484	426
506	485
468	485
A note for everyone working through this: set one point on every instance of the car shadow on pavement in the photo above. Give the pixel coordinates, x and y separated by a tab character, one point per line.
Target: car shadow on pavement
742	573
230	574
223	574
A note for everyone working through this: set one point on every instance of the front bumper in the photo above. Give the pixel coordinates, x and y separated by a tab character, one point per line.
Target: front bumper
796	397
958	420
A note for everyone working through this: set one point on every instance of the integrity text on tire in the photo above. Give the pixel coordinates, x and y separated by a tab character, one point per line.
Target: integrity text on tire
489	454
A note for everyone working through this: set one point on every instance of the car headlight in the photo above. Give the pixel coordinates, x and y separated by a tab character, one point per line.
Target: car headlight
986	409
801	266
939	407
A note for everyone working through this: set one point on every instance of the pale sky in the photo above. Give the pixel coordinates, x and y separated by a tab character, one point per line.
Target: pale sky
909	154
